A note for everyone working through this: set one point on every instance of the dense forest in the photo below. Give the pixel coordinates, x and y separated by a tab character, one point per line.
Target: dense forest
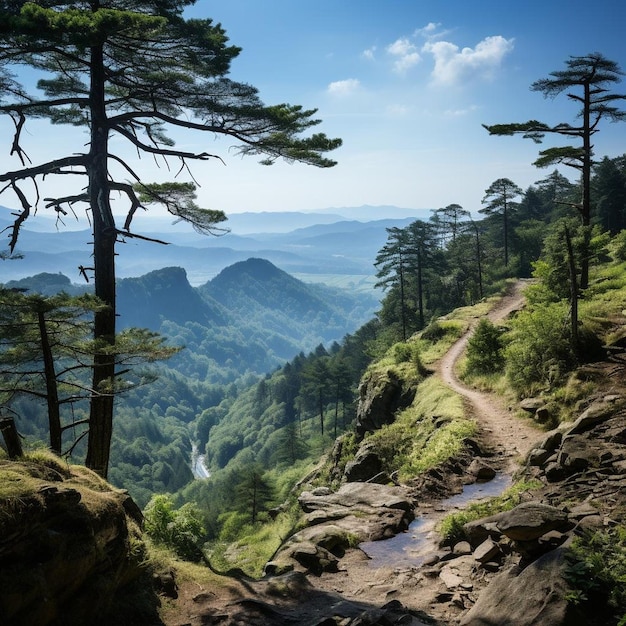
270	427
257	431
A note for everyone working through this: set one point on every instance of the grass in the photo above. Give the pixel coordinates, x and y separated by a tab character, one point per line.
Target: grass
597	570
427	433
451	527
256	544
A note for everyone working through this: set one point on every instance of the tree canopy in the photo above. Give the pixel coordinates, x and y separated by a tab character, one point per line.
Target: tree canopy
130	73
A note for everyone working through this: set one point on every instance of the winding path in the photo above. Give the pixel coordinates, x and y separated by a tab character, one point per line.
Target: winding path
505	435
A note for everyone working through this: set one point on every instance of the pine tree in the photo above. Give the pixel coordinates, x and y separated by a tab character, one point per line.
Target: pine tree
585	81
130	71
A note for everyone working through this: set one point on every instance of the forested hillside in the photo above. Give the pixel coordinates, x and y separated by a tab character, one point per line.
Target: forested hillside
270	433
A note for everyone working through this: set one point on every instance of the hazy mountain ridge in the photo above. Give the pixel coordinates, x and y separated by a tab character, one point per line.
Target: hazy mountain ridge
250	318
333	242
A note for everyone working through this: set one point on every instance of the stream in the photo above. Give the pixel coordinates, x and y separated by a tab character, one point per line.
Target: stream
198	468
421	539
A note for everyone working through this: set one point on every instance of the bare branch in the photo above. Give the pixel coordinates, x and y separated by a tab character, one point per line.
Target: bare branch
126	233
51	167
201	156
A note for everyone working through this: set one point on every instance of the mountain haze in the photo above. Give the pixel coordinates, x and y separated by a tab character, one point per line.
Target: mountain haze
333	246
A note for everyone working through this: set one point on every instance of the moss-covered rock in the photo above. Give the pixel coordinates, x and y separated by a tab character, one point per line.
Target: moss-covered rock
70	544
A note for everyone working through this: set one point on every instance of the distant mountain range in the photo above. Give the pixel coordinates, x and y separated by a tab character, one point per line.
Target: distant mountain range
250	318
335	246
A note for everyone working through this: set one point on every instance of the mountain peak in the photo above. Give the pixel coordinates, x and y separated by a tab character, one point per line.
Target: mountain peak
255	268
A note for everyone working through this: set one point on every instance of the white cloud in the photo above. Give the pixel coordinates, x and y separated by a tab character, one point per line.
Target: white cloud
344	87
369	54
405	54
460	112
453	64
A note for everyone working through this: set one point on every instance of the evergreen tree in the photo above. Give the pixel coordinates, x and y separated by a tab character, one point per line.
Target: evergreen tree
317	387
392	265
557	195
253	492
609	194
131	70
499	201
449	221
586	81
421	256
46	352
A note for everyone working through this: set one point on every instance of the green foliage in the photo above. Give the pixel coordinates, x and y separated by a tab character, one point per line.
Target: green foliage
485	349
179	529
408	352
253	492
597	570
538	353
429	432
451	527
619	246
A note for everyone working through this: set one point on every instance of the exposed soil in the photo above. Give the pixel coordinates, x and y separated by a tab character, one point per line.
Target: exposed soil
501	434
507	437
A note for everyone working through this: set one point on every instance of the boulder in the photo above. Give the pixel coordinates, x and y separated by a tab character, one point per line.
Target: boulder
530	520
598	412
381	394
531	405
481	470
538	456
70	549
534	596
357	497
552	440
487	551
365	466
575	455
479	530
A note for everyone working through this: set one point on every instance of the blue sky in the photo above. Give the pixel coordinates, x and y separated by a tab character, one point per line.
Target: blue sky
406	84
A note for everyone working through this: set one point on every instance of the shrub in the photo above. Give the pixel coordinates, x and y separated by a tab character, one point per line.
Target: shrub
485	349
597	570
178	529
619	246
539	353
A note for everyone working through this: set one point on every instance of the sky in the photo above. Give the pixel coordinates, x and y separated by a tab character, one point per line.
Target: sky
407	85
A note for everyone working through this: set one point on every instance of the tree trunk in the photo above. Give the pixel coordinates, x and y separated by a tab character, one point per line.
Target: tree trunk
11	437
479	263
402	300
52	392
506	231
573	293
321	405
104	232
420	288
586	183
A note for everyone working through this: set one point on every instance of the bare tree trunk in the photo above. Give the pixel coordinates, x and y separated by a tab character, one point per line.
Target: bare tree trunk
11	437
104	231
52	392
573	292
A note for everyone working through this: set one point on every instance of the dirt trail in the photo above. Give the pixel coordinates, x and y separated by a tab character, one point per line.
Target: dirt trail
359	579
501	433
507	436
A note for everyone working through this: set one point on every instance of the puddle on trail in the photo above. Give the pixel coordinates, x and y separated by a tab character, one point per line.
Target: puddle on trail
410	548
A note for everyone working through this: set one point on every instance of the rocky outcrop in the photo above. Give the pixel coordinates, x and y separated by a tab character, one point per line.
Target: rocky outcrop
593	445
338	520
70	544
522	553
533	596
381	394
